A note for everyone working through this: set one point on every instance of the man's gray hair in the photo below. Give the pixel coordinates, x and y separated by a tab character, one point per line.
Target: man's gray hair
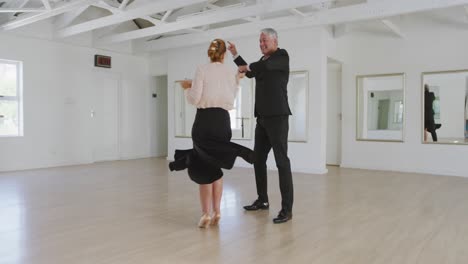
270	32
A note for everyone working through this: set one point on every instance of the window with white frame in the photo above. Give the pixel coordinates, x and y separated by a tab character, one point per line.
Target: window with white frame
11	106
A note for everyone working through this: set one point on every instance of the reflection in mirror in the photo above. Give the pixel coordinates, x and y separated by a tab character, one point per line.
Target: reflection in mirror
445	107
241	115
380	107
297	98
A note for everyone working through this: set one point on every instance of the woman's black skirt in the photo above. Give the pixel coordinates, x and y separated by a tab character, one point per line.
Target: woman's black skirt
212	147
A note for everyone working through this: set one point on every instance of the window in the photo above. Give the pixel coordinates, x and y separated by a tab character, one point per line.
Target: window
398	112
11	107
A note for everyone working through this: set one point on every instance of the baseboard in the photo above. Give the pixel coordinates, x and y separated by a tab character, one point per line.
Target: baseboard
438	172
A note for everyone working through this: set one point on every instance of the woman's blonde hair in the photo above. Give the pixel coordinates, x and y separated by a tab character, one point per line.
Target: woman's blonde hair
216	50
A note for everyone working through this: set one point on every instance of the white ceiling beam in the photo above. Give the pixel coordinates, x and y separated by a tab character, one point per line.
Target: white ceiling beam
251	19
212	6
379	9
64	20
296	12
226	32
394	28
127	15
341	15
124	4
218	16
207	10
23	4
166	15
156	21
22	10
46	4
152	20
104	5
58	9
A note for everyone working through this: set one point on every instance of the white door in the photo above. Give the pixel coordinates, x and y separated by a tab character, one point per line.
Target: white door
334	113
159	121
105	116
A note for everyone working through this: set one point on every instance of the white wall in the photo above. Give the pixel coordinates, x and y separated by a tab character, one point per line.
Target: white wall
58	89
307	50
425	48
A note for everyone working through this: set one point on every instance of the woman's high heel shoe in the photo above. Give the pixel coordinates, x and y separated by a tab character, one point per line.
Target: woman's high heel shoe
215	219
204	221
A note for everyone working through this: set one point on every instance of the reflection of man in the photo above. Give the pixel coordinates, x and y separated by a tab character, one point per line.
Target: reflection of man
429	123
271	74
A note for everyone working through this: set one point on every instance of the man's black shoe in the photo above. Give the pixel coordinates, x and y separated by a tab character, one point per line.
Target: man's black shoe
282	217
257	205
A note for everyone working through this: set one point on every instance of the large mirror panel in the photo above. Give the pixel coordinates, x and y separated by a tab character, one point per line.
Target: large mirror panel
445	107
380	107
297	99
241	115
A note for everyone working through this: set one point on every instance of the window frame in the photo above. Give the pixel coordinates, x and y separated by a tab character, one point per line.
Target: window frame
17	98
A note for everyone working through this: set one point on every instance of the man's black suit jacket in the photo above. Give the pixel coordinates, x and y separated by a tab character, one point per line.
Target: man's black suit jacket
271	81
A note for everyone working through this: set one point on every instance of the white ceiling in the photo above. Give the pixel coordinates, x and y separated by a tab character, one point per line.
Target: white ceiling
155	24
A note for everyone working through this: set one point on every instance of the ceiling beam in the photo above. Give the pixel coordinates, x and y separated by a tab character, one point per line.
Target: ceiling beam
124	4
104	5
22	10
296	12
166	15
23	4
64	20
58	9
379	9
126	15
251	19
152	20
46	4
240	30
340	15
394	28
212	17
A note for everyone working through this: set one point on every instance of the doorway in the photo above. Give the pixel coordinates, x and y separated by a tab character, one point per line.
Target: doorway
159	113
105	115
334	72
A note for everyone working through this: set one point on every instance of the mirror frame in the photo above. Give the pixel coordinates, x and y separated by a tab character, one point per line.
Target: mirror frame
422	108
403	129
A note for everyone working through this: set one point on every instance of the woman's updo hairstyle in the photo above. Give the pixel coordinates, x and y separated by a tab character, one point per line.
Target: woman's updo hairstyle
216	50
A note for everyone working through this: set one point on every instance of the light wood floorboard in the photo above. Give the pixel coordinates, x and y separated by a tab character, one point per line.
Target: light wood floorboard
138	212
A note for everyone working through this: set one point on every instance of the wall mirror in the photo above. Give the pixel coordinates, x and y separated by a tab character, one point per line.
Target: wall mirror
298	102
241	115
445	107
380	107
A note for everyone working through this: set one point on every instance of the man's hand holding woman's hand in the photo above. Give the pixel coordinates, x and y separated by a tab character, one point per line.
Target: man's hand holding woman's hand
186	84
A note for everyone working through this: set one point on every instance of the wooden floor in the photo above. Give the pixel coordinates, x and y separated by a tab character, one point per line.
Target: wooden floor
137	212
